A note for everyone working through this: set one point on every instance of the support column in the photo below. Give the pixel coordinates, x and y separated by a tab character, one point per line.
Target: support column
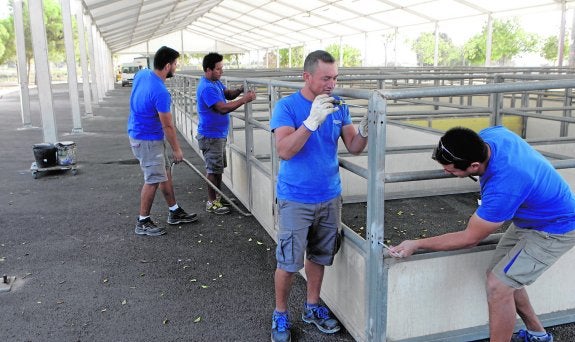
561	45
84	62
436	46
92	61
40	46
21	63
71	61
489	42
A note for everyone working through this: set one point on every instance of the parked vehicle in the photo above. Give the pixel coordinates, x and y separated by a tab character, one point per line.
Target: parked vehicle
128	72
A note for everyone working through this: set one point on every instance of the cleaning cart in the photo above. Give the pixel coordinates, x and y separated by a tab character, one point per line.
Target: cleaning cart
60	156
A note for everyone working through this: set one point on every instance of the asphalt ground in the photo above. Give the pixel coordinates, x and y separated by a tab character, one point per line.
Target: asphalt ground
81	272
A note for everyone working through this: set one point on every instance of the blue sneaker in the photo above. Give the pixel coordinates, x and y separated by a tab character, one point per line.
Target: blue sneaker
320	316
525	336
280	327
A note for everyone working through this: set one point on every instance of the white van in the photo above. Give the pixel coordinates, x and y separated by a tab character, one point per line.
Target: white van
128	72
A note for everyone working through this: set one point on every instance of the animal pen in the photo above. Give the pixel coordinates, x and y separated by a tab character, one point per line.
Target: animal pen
437	296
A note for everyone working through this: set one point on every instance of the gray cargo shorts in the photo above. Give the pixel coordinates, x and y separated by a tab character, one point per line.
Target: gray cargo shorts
310	229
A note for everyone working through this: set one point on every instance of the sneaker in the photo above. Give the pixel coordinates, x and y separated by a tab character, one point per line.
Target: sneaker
216	207
525	336
320	316
180	216
280	327
148	227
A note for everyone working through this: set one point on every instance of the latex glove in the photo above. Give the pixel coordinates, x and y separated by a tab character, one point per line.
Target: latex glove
363	125
321	107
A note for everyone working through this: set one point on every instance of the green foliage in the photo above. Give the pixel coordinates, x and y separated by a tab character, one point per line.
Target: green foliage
54	33
7	50
351	55
508	41
550	49
424	48
296	57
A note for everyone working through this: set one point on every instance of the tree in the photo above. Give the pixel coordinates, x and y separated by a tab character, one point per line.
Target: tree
296	57
550	49
424	48
7	48
351	55
508	41
54	33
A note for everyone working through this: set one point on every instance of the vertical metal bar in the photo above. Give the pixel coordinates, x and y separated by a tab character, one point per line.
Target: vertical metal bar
22	67
376	282
71	62
42	70
273	97
249	136
567	102
495	103
524	119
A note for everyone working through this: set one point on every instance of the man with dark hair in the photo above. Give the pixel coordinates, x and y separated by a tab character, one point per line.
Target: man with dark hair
214	123
150	122
307	127
517	184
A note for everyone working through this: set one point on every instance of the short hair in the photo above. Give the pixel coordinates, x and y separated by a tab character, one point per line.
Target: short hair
461	147
312	59
210	60
163	56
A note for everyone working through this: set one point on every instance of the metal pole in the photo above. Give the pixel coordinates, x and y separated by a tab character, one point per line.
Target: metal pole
71	62
84	62
42	70
376	282
22	67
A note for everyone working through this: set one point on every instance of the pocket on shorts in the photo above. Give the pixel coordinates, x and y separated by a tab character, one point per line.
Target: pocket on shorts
528	266
284	251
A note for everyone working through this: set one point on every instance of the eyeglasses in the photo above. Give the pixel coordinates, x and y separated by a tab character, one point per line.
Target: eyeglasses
442	152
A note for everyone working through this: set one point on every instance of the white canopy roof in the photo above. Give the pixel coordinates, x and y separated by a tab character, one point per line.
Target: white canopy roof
261	24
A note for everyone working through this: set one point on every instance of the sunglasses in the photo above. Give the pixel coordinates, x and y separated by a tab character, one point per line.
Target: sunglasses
441	152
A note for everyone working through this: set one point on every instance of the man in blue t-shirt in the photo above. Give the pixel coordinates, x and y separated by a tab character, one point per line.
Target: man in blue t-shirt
517	184
307	127
214	123
149	123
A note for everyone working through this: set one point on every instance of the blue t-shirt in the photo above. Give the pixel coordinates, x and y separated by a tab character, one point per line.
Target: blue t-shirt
211	123
312	175
149	97
519	184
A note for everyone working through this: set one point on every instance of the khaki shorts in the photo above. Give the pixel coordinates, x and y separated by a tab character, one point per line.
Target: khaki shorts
153	159
522	255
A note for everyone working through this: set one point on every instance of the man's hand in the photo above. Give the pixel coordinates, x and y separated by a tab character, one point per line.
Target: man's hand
178	156
363	126
249	96
404	249
321	107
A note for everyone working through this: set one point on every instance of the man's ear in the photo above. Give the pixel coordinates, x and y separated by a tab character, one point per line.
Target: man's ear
475	166
306	75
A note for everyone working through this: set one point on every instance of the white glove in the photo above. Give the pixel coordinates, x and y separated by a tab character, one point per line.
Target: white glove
321	107
363	125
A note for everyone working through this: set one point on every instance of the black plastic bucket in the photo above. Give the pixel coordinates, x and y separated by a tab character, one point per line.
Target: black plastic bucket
45	155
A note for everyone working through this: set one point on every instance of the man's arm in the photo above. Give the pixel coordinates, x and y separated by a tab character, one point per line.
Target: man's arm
477	230
171	136
353	141
232	94
289	140
224	107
